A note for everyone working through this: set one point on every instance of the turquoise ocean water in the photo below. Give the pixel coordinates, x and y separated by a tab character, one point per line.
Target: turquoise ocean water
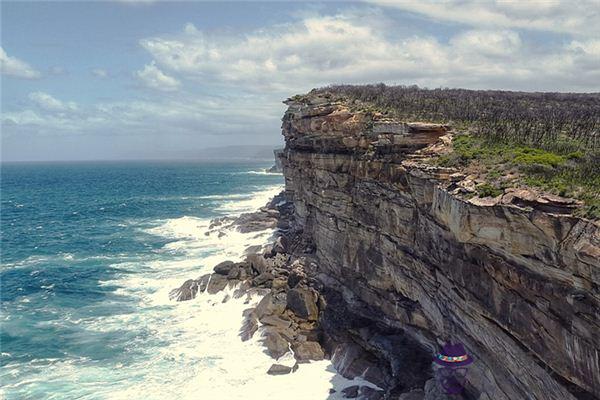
89	254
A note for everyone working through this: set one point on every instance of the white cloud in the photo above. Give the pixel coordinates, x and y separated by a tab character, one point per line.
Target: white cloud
100	73
487	43
317	51
12	66
573	17
48	103
154	78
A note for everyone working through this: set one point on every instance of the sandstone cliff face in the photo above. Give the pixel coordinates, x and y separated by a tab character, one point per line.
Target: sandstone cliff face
516	278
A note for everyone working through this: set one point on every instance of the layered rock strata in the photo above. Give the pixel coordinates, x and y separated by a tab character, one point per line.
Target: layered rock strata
403	257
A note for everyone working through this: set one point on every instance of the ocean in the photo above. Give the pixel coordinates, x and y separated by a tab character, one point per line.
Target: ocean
90	252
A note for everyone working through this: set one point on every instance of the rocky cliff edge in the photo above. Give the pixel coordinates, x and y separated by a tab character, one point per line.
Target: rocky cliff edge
400	246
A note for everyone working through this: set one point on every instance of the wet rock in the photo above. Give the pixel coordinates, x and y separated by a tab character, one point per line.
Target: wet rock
352	360
224	267
254	222
271	304
234	272
249	324
185	292
242	289
280	245
203	282
368	393
433	391
306	351
216	284
263	279
417	394
258	263
253	249
278	369
275	321
351	392
275	345
303	303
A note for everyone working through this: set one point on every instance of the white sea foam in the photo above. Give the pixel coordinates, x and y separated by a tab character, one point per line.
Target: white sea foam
258	200
183	350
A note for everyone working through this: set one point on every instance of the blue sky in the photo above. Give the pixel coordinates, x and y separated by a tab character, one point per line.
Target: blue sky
151	79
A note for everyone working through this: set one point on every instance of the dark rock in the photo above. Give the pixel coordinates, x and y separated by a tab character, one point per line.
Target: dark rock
280	245
203	282
352	360
296	276
368	393
278	369
234	272
268	251
258	263
253	249
185	292
433	391
271	304
249	325
351	392
306	351
263	279
275	321
242	289
303	303
279	283
276	345
417	394
224	267
216	284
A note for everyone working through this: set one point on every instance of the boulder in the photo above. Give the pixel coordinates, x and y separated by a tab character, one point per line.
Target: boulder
216	284
258	263
295	276
234	272
433	391
368	393
203	282
185	292
276	345
271	304
249	325
278	369
303	303
242	289
280	245
224	267
279	283
275	321
351	392
264	279
416	394
351	360
306	351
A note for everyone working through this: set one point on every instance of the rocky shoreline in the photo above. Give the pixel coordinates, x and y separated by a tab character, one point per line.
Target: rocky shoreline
298	313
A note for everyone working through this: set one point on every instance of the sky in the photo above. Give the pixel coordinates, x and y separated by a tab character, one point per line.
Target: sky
163	80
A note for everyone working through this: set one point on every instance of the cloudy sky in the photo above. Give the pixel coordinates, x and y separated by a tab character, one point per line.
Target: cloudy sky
150	79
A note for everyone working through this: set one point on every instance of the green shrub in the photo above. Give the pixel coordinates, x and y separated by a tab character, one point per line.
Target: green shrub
487	190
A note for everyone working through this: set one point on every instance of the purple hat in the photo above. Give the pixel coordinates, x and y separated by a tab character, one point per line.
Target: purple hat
453	355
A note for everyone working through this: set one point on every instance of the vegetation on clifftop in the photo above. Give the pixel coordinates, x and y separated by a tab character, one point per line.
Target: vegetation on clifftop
545	140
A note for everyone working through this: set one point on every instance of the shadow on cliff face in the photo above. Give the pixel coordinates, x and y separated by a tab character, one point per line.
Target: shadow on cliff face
360	346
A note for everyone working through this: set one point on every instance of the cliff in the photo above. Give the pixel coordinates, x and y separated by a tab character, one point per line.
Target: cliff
514	278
